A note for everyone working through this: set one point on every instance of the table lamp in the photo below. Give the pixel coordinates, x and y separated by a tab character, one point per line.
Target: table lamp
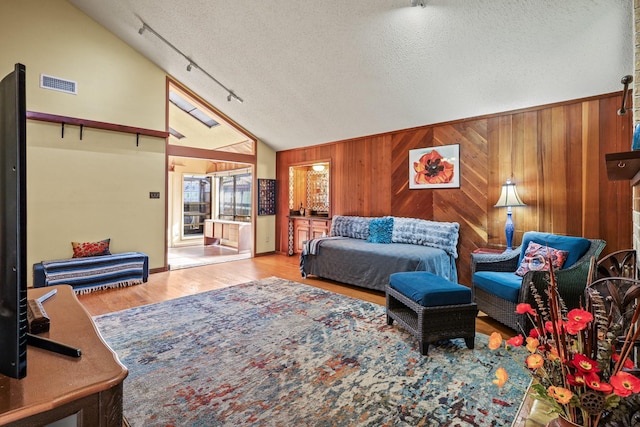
508	198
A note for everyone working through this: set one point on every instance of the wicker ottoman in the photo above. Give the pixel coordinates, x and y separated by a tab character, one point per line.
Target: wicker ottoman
431	308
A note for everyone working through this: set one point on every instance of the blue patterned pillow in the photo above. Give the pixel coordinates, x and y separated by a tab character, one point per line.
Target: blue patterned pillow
441	235
380	230
356	227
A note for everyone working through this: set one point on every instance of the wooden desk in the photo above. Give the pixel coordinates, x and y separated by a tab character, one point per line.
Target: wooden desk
59	386
236	234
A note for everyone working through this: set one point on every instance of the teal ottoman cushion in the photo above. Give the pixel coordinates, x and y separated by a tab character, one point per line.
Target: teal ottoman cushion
429	290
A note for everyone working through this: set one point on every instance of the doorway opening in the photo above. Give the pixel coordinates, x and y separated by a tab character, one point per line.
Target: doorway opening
210	180
196	194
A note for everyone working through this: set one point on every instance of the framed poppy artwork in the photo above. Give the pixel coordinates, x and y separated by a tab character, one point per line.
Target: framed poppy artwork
435	167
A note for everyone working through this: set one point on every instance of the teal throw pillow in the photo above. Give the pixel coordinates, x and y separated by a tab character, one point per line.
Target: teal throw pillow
380	230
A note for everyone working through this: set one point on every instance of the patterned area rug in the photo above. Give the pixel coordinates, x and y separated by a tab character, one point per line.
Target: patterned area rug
280	353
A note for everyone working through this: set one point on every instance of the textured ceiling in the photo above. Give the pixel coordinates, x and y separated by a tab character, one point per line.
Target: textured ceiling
312	72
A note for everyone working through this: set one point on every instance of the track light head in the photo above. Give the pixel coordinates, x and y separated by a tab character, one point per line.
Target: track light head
141	30
232	96
415	3
189	67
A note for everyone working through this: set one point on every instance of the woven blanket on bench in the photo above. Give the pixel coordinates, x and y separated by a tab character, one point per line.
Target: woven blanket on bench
94	273
311	247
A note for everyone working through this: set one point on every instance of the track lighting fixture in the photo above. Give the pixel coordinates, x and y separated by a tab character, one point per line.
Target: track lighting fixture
415	3
192	64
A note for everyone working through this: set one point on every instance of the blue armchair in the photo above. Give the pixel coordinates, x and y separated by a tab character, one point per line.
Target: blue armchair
498	290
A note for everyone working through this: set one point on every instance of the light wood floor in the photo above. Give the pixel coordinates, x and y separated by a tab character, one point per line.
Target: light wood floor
197	255
176	283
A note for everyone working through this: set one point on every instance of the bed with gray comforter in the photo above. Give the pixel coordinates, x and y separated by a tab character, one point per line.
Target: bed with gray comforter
416	245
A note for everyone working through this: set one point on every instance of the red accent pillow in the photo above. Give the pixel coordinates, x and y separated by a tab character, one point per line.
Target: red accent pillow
87	249
536	258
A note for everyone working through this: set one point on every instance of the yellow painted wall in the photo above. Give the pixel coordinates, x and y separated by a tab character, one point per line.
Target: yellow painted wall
266	224
98	187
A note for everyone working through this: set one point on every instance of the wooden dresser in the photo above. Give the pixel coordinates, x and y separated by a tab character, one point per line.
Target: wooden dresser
305	228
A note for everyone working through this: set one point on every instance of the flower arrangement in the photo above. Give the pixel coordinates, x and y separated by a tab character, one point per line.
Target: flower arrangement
572	356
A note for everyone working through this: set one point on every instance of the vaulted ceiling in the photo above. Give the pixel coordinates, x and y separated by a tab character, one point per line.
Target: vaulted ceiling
312	72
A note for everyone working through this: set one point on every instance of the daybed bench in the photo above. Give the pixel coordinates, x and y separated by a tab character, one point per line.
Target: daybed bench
351	255
93	273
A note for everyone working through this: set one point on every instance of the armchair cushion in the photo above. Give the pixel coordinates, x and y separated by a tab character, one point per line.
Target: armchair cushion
501	284
576	246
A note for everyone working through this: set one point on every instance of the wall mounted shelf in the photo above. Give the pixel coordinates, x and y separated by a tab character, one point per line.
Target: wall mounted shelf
64	120
623	166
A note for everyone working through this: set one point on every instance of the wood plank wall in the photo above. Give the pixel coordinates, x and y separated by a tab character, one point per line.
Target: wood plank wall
554	153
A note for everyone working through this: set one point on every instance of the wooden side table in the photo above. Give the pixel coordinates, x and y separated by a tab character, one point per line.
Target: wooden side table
56	387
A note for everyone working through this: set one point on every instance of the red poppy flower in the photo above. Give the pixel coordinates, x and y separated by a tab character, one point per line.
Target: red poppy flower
577	320
432	169
515	341
624	384
576	380
584	364
594	383
579	316
549	326
573	328
525	308
628	363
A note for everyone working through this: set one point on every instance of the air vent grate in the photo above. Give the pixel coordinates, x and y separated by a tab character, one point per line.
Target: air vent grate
56	83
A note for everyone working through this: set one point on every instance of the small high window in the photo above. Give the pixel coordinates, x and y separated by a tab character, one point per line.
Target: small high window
191	109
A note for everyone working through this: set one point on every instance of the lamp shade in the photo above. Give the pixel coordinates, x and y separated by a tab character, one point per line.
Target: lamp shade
509	196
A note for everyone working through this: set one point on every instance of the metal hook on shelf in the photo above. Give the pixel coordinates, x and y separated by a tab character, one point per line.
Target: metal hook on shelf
625	81
621	164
